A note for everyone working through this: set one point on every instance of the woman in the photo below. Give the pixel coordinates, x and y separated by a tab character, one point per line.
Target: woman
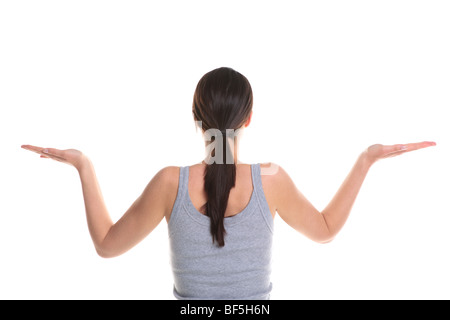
219	212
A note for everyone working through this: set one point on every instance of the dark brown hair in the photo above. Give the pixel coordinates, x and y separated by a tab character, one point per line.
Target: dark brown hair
223	100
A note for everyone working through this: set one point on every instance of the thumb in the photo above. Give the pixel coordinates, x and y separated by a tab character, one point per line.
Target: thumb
53	153
389	151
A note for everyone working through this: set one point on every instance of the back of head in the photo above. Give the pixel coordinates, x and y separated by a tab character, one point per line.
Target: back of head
223	100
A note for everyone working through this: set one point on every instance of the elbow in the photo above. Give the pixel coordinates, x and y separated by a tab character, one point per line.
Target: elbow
321	236
325	240
326	236
105	253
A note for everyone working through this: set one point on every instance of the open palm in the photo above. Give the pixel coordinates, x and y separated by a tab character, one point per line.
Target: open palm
70	156
379	151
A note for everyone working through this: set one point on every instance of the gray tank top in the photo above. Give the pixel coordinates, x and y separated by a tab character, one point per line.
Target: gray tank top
239	270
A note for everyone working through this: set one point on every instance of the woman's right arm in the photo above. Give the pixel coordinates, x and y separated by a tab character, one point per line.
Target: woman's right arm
112	239
323	226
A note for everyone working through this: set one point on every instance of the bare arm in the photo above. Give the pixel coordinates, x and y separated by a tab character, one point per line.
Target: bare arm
323	226
98	218
112	239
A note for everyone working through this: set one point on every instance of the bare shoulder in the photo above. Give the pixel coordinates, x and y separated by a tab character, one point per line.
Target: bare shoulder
272	173
168	176
163	188
273	179
274	176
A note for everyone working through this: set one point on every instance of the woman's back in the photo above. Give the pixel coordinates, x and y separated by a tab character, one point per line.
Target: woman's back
241	268
239	195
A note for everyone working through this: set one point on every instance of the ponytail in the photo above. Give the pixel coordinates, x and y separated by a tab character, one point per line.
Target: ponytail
223	99
220	177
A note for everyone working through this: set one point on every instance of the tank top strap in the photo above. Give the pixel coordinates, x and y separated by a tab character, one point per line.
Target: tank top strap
181	194
183	182
260	195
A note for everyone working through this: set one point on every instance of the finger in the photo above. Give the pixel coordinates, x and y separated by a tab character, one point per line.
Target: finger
395	150
32	148
52	153
419	145
55	154
390	151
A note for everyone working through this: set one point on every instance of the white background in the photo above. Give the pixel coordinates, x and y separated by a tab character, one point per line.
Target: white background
115	79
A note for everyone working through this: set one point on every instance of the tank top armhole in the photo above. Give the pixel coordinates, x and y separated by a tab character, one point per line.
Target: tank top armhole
182	187
261	197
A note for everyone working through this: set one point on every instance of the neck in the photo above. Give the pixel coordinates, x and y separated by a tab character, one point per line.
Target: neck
214	151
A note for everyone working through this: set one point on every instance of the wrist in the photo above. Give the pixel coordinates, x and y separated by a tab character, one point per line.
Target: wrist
82	163
365	160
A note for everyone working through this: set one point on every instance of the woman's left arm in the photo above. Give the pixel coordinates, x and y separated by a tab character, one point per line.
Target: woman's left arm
113	239
323	226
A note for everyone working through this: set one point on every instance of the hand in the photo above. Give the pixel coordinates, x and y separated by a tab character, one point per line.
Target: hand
378	151
70	156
